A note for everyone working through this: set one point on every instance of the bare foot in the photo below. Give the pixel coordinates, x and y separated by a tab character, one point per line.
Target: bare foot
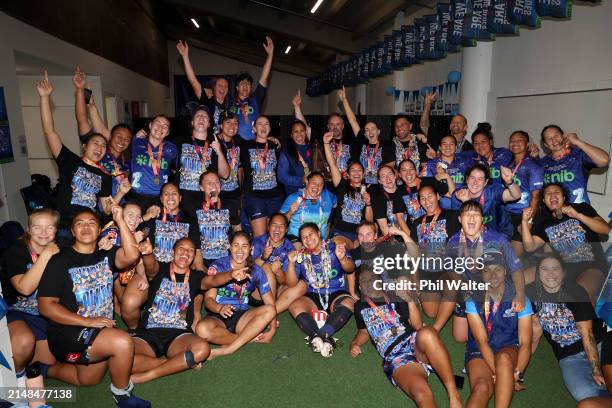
217	352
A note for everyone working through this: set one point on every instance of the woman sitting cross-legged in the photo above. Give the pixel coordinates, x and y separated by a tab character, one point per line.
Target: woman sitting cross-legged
230	322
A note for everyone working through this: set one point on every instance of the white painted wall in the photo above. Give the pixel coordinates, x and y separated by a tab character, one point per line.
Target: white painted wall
561	56
281	89
114	79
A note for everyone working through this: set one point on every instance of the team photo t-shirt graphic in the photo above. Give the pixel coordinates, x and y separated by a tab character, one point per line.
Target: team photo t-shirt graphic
568	238
166	234
352	208
342	157
371	158
169	309
433	239
383	332
264	174
192	165
413	207
233	160
27	304
85	187
92	286
557	320
214	226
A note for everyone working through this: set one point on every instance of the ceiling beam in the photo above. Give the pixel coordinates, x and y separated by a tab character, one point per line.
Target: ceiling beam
249	53
291	26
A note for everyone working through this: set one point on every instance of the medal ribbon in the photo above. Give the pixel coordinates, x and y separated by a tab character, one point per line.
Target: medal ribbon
431	224
155	164
201	155
489	314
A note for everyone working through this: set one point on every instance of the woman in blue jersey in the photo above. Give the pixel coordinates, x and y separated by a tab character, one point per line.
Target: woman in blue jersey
353	201
569	161
564	314
455	164
229	321
296	159
154	160
499	338
493	157
312	204
491	196
527	174
322	265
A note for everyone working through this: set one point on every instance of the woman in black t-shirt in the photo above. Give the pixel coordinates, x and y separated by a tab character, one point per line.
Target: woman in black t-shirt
353	201
83	182
387	202
76	295
565	315
573	231
263	195
22	268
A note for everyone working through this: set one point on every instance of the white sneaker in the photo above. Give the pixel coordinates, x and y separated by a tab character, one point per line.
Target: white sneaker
327	350
317	344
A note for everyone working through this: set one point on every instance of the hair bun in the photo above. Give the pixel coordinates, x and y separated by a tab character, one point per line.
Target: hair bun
486	126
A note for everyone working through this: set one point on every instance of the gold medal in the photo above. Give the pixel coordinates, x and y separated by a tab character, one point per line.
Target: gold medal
156	180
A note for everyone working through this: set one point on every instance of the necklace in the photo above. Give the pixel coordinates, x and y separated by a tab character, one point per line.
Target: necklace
320	280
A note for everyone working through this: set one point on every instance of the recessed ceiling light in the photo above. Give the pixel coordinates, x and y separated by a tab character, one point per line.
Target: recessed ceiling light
316	6
195	23
288	49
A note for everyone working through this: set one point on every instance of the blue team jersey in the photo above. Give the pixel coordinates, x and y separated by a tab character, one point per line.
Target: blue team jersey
236	294
142	178
493	212
490	241
456	169
528	177
117	168
278	254
501	157
317	212
214	226
571	171
247	111
504	326
335	276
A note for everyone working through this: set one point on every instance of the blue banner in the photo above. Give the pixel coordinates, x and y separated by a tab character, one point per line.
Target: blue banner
498	21
409	35
397	49
445	21
459	10
524	12
554	8
421	35
6	148
475	22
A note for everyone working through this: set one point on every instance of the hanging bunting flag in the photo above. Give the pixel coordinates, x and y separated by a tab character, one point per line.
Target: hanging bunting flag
459	10
380	58
442	35
421	35
365	68
397	94
432	27
498	21
388	61
373	59
554	8
409	40
397	49
406	96
475	22
524	12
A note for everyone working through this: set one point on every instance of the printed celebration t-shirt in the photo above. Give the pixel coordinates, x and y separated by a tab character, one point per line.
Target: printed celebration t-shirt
18	260
351	207
118	168
196	158
165	231
383	332
214	226
259	161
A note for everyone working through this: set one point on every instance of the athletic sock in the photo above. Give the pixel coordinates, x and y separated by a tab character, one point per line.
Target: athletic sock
307	324
21	378
336	320
121	393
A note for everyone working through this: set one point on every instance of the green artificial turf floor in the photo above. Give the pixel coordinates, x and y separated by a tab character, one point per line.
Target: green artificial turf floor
287	374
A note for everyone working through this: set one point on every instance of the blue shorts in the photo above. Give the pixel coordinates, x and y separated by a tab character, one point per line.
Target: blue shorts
350	235
256	207
402	354
37	324
470	355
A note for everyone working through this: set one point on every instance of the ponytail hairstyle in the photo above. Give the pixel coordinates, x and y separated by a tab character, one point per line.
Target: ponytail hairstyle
483	128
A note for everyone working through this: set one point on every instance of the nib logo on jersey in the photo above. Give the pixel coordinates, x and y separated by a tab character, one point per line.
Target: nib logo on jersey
564	176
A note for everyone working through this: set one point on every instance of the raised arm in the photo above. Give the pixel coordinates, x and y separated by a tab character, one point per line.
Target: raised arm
331	160
183	49
129	252
424	122
291	275
599	156
350	115
267	67
597	224
512	191
297	108
96	121
80	108
54	141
